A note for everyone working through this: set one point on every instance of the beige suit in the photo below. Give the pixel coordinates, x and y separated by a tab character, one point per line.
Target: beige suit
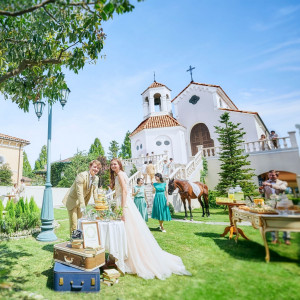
79	195
150	171
278	187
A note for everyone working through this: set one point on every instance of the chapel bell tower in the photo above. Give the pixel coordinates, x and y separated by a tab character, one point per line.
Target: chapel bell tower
157	100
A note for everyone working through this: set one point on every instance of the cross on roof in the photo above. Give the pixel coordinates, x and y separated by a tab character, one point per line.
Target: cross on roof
154	77
191	71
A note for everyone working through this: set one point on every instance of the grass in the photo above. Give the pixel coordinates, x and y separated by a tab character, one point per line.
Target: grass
216	215
221	268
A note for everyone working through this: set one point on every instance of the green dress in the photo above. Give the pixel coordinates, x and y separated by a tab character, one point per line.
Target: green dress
160	210
140	202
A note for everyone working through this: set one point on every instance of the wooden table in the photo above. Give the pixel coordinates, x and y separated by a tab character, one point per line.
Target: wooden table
232	229
10	196
265	223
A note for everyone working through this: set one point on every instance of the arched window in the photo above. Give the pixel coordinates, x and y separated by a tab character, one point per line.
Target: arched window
200	136
167	96
157	102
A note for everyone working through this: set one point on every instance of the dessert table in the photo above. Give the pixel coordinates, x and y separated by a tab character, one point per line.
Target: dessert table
231	228
113	239
266	223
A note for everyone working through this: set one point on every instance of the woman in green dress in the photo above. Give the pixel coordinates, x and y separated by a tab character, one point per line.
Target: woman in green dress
140	198
160	210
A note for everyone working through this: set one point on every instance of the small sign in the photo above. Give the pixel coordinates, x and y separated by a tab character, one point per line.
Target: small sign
91	237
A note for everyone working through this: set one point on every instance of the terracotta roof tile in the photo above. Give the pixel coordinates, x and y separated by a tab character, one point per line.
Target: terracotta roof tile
204	84
155	85
11	138
156	122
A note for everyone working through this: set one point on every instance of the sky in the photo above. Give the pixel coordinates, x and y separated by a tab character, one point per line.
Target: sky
251	48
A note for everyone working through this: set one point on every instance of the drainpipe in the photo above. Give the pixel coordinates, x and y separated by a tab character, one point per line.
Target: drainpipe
18	177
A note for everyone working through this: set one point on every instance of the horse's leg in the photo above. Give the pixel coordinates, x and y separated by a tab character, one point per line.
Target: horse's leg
205	196
201	203
190	208
184	205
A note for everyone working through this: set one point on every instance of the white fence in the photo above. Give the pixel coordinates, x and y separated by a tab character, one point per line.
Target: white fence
37	193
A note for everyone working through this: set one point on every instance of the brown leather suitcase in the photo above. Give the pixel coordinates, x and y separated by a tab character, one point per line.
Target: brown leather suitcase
82	259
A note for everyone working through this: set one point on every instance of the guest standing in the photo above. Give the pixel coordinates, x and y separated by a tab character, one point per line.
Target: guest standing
140	198
165	170
150	171
160	210
21	189
144	171
274	139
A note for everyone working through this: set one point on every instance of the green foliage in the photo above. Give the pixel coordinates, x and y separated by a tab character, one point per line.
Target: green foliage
27	170
212	198
104	171
5	175
113	149
20	216
1	211
38	179
96	149
234	170
133	170
126	146
41	162
79	163
57	172
39	42
172	210
204	171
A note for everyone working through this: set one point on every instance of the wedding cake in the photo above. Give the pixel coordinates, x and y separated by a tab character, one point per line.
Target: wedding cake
100	203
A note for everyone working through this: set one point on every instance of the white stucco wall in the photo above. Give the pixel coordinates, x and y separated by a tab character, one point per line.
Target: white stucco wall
261	161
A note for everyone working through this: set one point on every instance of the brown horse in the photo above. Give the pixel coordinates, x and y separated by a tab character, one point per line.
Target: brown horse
186	193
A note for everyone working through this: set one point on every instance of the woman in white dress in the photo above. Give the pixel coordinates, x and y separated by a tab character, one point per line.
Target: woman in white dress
145	257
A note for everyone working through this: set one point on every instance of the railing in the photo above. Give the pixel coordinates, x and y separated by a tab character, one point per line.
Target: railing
184	172
139	161
282	143
266	145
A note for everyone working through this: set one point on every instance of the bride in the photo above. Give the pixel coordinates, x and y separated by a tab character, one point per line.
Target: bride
145	257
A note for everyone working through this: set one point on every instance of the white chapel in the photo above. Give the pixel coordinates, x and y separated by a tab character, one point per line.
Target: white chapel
178	126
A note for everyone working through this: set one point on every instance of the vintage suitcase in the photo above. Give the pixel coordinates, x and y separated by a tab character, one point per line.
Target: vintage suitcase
78	258
69	279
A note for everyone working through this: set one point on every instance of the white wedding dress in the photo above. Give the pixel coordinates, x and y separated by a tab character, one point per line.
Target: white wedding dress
145	257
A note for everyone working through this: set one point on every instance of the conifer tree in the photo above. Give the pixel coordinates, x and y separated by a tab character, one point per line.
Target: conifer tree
126	147
96	149
5	175
27	170
235	168
41	162
113	150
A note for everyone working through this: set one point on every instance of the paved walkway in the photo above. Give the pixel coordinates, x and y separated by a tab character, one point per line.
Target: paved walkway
211	223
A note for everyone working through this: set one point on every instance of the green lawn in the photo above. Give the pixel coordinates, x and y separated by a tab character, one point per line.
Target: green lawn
221	269
216	215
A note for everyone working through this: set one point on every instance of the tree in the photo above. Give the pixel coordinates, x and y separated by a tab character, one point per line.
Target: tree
96	149
234	170
79	163
113	150
126	146
5	175
41	162
41	38
204	171
27	170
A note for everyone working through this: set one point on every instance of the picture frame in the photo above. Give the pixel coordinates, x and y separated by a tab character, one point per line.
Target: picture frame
91	235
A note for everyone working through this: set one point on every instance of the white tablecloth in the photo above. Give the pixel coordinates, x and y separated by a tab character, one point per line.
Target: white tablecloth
113	239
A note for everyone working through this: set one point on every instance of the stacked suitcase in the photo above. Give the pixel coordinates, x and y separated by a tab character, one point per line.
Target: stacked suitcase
77	270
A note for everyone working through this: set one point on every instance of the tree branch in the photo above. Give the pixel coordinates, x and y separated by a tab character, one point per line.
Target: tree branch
50	15
24	65
25	11
38	6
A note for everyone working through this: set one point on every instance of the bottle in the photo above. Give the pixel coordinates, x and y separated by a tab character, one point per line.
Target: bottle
231	193
238	193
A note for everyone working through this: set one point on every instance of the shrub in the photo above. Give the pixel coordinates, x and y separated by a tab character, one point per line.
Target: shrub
212	198
20	216
172	210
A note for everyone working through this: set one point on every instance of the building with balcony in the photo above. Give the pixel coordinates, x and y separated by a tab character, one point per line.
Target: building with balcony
180	133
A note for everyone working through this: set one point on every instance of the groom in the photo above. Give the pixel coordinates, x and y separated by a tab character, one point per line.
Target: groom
80	193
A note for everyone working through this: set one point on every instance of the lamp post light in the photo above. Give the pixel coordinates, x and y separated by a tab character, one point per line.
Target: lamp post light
47	215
